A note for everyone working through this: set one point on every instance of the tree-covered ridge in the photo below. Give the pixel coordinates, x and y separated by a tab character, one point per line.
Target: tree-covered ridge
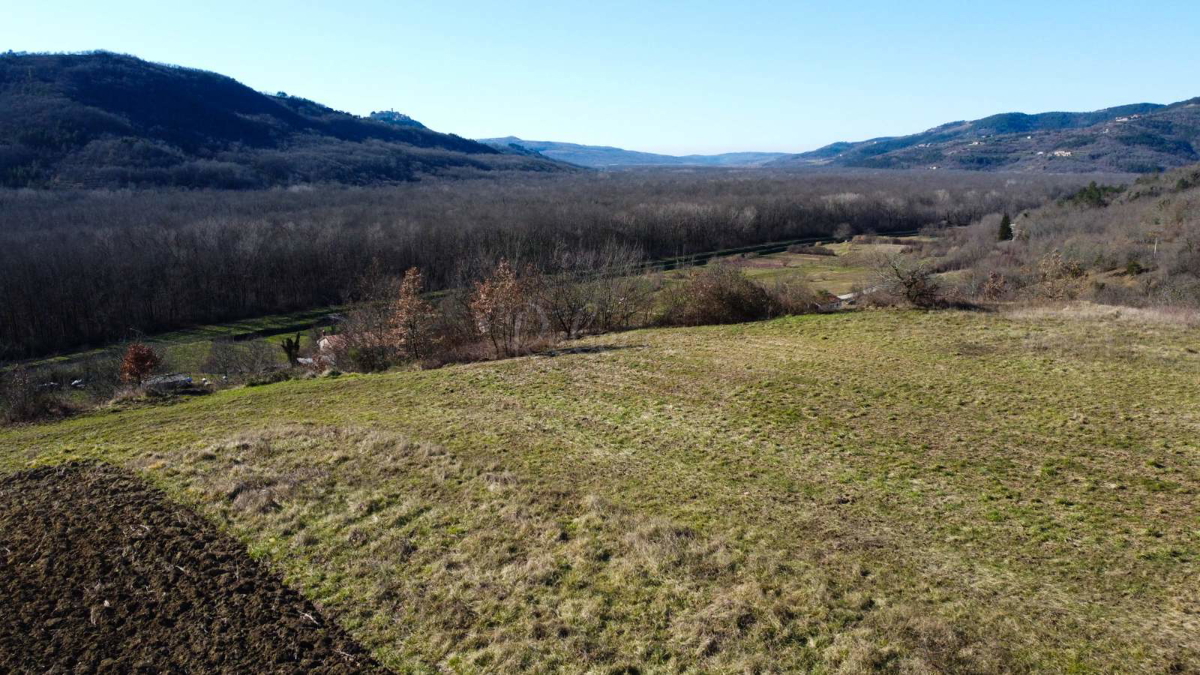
1137	138
108	120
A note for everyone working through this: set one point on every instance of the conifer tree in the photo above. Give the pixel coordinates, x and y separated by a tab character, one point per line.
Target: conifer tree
1006	231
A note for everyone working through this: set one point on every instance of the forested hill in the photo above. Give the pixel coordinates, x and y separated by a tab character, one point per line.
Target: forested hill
1138	138
107	120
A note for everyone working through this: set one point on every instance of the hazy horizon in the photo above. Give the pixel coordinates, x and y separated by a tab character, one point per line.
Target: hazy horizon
703	78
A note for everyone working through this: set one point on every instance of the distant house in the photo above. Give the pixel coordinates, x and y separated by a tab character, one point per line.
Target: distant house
1062	153
328	349
331	344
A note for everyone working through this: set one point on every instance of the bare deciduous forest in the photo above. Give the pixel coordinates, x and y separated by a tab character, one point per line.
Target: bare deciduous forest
85	268
1131	245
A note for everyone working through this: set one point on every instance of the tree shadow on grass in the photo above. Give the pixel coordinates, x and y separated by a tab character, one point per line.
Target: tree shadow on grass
590	349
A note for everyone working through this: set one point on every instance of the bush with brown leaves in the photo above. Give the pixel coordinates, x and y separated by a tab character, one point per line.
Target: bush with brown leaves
140	361
501	308
412	324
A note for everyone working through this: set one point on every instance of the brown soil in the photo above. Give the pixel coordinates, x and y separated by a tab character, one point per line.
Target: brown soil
100	572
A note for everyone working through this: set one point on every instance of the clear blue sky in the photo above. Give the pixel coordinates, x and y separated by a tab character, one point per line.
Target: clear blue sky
658	76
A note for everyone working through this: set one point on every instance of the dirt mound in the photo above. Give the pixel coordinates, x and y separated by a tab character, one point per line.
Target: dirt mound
99	571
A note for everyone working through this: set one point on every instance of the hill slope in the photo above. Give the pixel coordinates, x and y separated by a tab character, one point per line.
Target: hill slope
601	157
1134	138
101	120
838	493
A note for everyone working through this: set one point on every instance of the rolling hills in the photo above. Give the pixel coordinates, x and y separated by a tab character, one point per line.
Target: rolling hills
108	120
1138	138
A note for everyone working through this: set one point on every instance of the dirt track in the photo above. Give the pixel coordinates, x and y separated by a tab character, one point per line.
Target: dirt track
99	572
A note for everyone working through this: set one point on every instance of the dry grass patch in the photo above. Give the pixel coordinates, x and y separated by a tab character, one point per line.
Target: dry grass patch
1173	316
436	560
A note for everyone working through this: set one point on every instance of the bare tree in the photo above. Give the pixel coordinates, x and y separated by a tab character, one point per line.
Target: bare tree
903	277
229	358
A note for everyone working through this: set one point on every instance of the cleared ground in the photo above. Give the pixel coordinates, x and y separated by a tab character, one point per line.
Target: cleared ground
870	491
101	574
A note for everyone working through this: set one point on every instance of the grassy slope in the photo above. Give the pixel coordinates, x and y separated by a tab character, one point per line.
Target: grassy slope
857	491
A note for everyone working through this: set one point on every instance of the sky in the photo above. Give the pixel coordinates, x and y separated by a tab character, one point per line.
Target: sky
672	77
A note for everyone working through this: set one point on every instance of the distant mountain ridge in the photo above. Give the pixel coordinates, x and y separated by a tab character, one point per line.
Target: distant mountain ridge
1137	138
600	156
108	120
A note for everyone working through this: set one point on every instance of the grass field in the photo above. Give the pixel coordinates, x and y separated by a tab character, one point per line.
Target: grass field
851	269
881	490
185	350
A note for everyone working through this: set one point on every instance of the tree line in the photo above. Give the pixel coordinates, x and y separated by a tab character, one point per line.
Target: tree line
89	268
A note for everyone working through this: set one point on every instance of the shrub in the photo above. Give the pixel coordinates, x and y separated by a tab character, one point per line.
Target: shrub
367	358
909	280
994	287
412	321
22	399
790	297
140	362
500	306
811	249
269	377
228	358
582	291
716	295
1060	278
